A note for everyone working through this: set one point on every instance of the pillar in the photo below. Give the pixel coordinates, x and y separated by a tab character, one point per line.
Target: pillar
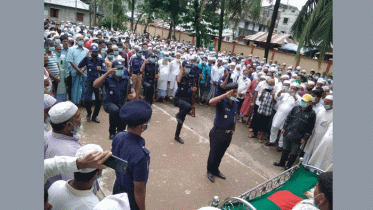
194	40
155	30
252	48
216	41
300	58
273	53
330	63
234	46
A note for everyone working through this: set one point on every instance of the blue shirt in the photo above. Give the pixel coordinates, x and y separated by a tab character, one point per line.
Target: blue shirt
136	64
150	72
220	90
92	72
116	91
131	148
226	114
65	52
75	55
184	89
205	72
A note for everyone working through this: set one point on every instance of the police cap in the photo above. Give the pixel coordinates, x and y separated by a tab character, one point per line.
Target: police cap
136	112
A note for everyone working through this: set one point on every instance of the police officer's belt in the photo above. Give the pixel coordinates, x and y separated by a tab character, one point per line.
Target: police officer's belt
222	130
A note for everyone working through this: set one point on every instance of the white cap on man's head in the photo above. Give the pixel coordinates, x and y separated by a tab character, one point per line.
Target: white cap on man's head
49	101
62	112
287	82
114	202
84	151
329	97
298	67
294	84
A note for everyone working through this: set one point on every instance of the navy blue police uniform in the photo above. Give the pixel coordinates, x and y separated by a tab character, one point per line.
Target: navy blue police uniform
131	148
183	99
135	64
221	134
92	74
221	80
115	97
151	69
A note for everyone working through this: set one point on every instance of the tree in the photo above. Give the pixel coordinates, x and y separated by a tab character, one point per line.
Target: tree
314	27
270	32
115	12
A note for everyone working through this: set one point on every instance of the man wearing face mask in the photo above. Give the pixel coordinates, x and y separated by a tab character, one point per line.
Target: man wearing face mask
134	67
204	80
115	82
224	127
183	97
53	66
249	61
77	193
61	94
74	57
265	108
130	146
151	72
62	139
95	66
297	129
310	85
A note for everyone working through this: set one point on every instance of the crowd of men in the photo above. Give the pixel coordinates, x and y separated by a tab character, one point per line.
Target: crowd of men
280	103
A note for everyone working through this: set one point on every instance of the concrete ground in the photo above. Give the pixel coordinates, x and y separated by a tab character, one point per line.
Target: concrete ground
177	178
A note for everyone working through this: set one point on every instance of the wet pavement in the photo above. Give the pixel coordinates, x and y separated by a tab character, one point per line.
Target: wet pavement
177	178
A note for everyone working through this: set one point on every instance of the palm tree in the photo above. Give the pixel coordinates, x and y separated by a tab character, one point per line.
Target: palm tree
314	27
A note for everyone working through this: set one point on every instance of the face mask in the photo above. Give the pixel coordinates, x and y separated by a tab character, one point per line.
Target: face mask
270	87
111	57
139	55
233	98
51	49
327	107
285	87
58	54
296	72
187	70
244	77
152	60
119	73
94	55
250	59
303	104
243	63
310	75
329	80
280	72
76	129
313	100
316	78
116	52
49	88
225	66
89	35
147	126
166	58
80	43
58	42
257	71
204	62
120	49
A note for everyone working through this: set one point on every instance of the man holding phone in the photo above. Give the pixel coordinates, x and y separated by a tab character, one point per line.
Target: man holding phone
130	146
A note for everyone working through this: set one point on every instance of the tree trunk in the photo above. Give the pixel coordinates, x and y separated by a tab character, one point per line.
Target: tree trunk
137	22
196	24
271	28
147	22
174	29
170	30
221	24
132	13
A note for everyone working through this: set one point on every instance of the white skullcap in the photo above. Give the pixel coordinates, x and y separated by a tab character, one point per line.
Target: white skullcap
285	76
263	77
298	67
177	53
289	67
220	59
259	67
284	64
86	38
329	97
250	55
114	202
303	70
79	35
320	80
208	208
84	151
294	84
287	82
254	64
310	83
182	57
114	46
209	59
325	88
149	48
303	86
267	65
273	69
260	73
261	61
62	112
273	64
293	74
48	100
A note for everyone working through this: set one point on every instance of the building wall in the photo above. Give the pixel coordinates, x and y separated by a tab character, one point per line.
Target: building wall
66	14
292	16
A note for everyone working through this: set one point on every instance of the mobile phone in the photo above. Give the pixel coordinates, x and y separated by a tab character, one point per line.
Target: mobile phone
116	163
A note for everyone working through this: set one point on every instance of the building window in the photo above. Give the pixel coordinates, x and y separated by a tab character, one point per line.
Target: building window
246	24
54	13
286	20
79	17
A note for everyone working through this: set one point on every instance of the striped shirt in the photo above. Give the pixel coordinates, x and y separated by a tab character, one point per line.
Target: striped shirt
60	145
266	104
53	65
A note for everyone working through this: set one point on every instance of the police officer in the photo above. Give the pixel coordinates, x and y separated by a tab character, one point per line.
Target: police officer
95	66
150	71
130	146
115	82
183	97
134	67
223	81
224	126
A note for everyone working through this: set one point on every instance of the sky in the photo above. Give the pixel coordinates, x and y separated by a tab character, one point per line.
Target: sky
297	3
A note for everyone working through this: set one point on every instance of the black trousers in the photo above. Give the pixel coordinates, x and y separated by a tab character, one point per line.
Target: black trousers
149	93
263	122
88	99
219	143
184	108
254	122
115	123
69	84
292	146
55	86
117	189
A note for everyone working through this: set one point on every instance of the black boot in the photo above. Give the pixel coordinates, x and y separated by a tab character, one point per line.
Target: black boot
284	157
291	161
177	133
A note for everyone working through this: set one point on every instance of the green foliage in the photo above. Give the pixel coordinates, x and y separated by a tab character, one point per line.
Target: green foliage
314	27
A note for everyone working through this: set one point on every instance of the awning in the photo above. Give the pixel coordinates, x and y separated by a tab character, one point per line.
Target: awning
279	39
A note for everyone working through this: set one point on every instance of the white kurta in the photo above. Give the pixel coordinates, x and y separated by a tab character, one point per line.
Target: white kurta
323	119
172	76
286	104
164	71
322	158
243	84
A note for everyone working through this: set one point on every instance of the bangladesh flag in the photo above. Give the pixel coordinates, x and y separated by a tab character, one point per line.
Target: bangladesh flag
287	196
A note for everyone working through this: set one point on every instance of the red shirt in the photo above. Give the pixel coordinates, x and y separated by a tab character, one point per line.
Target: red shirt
248	62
